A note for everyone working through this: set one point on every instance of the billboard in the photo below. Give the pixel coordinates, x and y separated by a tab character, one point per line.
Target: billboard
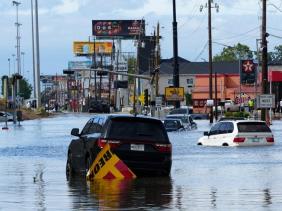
79	64
81	48
118	28
248	72
174	93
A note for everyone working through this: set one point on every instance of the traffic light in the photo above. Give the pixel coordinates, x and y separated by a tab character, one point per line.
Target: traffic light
146	97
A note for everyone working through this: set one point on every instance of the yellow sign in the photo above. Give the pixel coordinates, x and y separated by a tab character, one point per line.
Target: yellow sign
86	48
174	93
108	166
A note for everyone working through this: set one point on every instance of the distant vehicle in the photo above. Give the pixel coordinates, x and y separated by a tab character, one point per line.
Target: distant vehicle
187	120
229	105
199	116
141	143
4	115
238	133
185	110
99	106
172	125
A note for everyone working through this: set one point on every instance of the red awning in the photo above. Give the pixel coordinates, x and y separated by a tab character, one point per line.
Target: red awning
275	76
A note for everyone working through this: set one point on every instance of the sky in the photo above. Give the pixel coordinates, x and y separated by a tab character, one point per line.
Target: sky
63	21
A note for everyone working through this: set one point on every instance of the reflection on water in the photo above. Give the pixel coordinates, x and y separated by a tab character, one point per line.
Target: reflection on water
33	159
141	193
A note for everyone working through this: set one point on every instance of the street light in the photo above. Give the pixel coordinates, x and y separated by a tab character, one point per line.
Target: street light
9	62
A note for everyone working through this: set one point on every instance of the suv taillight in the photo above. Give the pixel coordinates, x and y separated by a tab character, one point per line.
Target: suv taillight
113	143
270	139
238	140
163	147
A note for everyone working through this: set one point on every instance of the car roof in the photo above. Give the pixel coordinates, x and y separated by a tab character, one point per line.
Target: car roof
239	121
124	116
178	115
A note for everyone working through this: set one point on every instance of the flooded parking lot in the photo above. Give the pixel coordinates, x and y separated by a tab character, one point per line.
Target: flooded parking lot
33	158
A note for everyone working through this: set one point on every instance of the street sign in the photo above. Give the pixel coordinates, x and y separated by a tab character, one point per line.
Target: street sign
266	101
158	102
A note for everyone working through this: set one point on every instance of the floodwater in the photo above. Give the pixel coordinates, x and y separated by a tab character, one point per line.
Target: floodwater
32	174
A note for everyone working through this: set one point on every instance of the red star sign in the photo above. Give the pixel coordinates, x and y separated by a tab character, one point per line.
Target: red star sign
248	66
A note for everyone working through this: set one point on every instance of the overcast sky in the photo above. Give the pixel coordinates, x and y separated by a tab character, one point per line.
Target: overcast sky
64	21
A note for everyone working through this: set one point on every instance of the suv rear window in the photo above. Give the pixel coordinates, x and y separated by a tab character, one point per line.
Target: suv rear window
258	127
137	129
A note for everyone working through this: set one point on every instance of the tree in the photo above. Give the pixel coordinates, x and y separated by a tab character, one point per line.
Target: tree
234	53
25	89
276	55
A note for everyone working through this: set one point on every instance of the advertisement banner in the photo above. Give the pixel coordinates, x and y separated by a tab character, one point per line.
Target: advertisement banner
81	48
79	64
174	93
120	28
248	72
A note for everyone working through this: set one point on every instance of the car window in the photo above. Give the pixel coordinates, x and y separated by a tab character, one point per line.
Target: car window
171	124
226	127
2	114
258	127
137	129
85	128
215	129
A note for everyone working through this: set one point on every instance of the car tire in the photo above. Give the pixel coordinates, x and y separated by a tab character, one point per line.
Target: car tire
225	145
200	144
69	167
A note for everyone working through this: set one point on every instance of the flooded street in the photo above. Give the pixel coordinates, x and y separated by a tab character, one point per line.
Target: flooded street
33	158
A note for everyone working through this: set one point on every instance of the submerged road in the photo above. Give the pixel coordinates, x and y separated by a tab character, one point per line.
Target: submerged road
32	166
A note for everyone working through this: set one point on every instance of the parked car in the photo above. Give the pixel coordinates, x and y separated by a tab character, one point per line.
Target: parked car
172	125
4	115
238	133
185	110
199	116
187	120
140	142
99	106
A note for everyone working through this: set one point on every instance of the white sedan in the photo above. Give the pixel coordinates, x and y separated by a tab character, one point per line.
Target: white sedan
238	133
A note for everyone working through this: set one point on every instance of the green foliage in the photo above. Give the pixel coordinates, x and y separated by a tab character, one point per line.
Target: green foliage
234	53
188	98
237	114
276	55
25	89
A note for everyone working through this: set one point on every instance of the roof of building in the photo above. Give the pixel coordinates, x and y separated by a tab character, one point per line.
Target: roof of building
187	67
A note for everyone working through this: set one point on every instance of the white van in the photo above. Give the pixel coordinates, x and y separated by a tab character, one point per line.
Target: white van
238	133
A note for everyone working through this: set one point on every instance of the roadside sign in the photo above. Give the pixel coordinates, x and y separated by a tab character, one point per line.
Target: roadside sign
107	165
174	93
266	101
159	102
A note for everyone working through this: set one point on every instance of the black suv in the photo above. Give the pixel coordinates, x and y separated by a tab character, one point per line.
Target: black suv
140	142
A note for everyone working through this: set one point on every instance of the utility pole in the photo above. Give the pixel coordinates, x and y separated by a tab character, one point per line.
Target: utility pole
264	65
33	50
37	72
175	54
157	58
209	6
18	46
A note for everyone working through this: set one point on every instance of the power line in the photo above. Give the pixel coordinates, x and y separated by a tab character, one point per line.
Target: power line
239	35
275	36
201	52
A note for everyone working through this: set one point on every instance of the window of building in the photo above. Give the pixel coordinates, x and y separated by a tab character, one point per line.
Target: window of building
170	81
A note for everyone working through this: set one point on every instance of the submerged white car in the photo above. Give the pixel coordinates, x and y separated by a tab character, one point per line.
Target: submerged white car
238	133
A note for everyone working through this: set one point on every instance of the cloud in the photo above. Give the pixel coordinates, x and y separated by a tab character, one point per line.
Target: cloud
68	6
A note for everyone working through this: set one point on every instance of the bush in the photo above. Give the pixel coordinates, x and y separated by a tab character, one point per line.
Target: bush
237	114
